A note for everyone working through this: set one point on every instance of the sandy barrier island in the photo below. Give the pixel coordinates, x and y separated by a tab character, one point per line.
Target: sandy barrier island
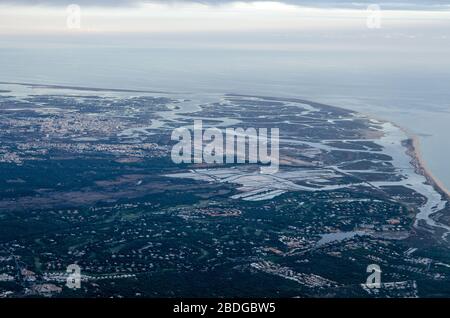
414	150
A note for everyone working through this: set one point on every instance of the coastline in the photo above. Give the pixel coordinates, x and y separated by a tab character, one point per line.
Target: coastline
411	143
434	204
415	152
420	165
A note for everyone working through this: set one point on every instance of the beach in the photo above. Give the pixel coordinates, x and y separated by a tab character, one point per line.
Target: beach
421	166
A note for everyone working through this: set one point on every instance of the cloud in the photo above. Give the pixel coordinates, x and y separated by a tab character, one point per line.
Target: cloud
387	4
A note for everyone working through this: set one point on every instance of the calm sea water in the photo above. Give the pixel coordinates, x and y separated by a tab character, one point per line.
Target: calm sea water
414	94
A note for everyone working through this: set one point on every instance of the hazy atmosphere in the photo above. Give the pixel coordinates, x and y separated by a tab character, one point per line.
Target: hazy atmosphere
94	94
291	48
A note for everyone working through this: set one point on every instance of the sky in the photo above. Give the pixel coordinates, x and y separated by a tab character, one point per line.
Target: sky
385	25
40	17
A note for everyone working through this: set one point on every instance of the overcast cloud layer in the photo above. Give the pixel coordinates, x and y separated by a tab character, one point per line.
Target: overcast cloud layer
388	4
